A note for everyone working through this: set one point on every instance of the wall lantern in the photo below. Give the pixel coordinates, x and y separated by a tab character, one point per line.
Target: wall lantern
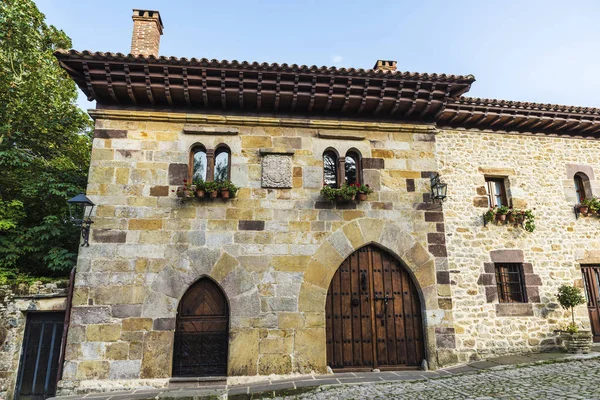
80	209
438	188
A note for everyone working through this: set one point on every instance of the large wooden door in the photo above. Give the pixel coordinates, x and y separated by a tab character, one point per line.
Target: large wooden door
202	331
373	314
39	358
591	280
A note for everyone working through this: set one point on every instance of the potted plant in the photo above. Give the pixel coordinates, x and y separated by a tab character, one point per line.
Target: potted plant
199	184
362	191
346	193
212	188
227	189
575	341
594	205
529	220
329	193
187	190
585	206
501	213
489	215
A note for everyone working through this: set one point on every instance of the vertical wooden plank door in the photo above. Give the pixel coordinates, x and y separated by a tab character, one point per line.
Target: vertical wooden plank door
39	357
373	314
202	332
591	281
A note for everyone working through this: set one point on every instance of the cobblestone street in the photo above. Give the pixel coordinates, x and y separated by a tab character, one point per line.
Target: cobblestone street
563	380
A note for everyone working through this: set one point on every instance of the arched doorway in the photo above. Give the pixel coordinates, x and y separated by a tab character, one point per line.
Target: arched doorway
373	314
202	331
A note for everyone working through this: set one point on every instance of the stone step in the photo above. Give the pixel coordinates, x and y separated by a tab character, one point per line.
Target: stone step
212	382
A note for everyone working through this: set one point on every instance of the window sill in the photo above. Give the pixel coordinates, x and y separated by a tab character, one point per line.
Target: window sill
514	310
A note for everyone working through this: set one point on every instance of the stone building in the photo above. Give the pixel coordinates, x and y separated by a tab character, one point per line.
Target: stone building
279	280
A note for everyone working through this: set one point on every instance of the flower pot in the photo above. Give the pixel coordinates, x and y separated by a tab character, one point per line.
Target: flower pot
200	193
341	199
225	194
213	194
576	343
362	196
583	210
500	217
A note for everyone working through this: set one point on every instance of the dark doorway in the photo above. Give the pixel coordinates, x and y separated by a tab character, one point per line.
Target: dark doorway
373	314
591	281
202	332
39	357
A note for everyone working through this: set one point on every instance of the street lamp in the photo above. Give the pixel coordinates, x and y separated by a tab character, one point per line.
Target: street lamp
80	210
438	188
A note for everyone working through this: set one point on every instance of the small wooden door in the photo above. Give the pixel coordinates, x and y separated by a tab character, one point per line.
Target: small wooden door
39	358
591	281
202	331
373	314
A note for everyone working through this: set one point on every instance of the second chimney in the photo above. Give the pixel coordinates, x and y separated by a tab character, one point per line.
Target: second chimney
147	28
384	65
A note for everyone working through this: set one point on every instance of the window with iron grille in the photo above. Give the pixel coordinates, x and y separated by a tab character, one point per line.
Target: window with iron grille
510	282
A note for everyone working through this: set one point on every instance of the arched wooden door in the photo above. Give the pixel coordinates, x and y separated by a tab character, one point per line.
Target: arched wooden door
202	331
373	314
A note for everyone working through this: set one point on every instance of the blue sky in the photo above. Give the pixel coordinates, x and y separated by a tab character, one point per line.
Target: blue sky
528	50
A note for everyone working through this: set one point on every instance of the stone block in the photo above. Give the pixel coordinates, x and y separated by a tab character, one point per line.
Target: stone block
245	225
110	134
290	320
126	310
310	351
157	355
108	236
103	332
117	351
438	250
90	315
279	364
119	294
93	370
514	310
434	216
373	163
312	177
312	298
164	324
340	243
125	369
371	229
354	234
256	142
177	173
137	324
507	256
480	202
243	352
224	266
159	191
145	224
290	263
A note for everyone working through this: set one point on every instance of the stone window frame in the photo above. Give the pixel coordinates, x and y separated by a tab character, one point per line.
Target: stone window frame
340	165
586	173
357	156
583	189
490	193
532	283
211	155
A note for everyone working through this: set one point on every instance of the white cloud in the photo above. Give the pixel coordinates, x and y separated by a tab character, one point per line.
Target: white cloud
337	59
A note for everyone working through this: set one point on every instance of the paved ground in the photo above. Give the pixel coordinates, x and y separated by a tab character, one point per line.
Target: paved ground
534	376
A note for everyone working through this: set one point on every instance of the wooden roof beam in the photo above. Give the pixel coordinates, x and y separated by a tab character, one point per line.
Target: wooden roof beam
167	88
128	83
186	90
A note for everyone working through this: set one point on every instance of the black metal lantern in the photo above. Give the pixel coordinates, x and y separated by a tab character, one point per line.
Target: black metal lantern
438	188
80	209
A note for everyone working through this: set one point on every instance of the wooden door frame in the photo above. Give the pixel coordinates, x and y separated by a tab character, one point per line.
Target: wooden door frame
204	276
24	345
420	295
595	335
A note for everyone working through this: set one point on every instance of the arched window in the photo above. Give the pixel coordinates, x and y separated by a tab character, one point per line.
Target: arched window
198	163
352	168
582	187
330	174
222	163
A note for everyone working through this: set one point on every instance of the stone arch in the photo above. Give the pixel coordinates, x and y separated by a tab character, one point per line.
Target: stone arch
419	263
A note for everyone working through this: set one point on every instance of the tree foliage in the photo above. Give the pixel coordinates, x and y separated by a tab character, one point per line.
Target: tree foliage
570	297
44	144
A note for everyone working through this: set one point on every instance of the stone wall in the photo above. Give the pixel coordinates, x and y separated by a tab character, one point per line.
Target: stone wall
273	251
539	172
15	302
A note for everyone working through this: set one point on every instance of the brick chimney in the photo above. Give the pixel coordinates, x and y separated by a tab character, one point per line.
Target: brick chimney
384	65
147	28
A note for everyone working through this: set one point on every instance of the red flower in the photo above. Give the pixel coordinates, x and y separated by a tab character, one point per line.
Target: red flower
185	180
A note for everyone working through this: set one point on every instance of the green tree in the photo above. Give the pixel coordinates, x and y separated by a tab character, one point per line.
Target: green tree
44	145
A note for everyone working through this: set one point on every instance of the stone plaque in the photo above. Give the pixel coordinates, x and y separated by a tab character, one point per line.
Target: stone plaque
276	171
